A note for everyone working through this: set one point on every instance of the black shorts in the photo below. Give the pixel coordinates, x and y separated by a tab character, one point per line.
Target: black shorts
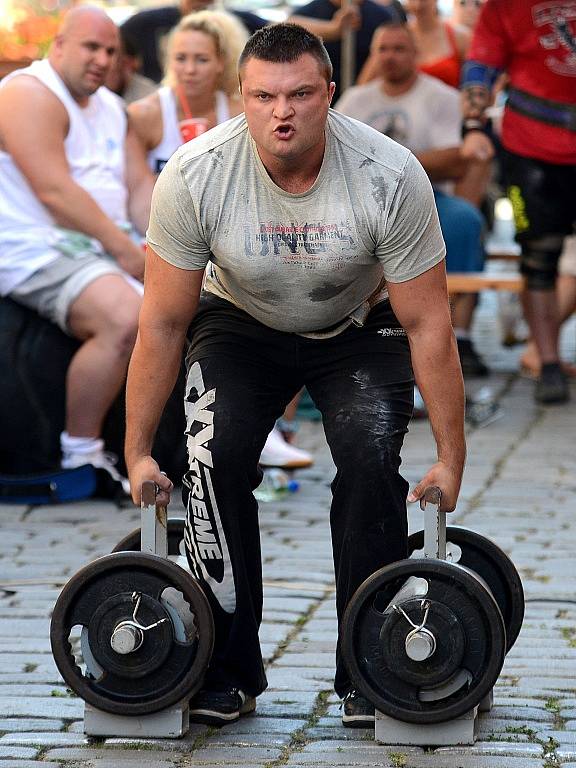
543	196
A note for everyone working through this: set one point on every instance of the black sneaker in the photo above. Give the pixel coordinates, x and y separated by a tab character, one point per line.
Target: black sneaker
552	385
358	711
471	362
220	707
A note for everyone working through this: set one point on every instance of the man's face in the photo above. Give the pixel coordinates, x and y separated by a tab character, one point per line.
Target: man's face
286	106
84	54
396	54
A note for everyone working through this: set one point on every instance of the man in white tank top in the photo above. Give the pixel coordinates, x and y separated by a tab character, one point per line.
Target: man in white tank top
69	174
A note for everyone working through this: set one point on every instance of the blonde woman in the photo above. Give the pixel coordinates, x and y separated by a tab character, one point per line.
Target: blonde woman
200	87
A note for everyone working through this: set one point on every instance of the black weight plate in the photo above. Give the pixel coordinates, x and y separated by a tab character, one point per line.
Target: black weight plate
444	662
131	542
113	579
480	621
494	566
151	655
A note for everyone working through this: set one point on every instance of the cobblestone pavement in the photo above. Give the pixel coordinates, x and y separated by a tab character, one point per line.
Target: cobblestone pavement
519	489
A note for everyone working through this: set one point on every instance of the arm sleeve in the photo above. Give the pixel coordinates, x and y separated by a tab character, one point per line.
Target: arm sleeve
174	231
412	241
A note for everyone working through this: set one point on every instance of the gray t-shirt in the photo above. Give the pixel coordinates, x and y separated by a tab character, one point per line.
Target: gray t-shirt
296	262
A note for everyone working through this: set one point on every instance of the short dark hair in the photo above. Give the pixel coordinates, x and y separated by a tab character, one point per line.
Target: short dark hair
285	43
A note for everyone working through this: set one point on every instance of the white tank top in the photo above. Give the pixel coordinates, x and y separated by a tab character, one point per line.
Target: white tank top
95	152
171	138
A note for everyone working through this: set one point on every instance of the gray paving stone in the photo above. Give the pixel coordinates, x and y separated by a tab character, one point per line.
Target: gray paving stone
34	689
7	751
370	758
60	738
235	755
22	724
28	764
114	756
57	708
271	725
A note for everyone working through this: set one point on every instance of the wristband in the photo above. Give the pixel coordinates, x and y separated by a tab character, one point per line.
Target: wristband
473	124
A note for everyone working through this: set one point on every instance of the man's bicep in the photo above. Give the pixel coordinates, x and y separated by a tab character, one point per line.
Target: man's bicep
33	126
170	294
422	300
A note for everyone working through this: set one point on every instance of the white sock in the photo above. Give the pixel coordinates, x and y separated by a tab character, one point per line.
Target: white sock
80	445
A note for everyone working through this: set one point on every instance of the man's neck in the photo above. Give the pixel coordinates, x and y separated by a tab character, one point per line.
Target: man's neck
294	175
398	89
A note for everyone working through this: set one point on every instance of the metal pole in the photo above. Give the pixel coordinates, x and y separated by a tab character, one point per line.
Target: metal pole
348	55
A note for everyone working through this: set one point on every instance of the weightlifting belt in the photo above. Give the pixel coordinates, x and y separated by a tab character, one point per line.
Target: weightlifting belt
544	110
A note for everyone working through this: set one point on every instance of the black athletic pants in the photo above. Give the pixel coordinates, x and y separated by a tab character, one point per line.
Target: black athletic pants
241	375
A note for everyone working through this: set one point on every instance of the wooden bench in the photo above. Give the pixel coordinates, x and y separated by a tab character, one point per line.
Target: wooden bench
474	282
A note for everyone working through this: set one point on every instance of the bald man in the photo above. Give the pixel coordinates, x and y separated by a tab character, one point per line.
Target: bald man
73	186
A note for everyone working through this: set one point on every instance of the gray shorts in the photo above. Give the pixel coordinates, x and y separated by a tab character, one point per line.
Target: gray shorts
52	290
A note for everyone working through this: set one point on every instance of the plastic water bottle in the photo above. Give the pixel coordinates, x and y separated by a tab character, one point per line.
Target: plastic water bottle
276	484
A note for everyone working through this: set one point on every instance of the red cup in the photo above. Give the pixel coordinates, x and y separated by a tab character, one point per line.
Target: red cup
192	127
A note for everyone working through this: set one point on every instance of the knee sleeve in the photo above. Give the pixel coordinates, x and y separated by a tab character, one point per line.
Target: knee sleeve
539	262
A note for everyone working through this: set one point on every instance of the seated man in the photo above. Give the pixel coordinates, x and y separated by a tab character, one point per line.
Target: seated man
123	77
423	114
69	173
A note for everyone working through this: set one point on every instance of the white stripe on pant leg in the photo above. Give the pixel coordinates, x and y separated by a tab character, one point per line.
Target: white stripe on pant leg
205	535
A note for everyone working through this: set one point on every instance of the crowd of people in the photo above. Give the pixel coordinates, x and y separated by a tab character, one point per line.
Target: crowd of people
288	244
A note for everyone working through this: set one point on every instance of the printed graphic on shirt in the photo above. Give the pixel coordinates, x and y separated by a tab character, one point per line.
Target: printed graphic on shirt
394	123
557	19
304	245
203	533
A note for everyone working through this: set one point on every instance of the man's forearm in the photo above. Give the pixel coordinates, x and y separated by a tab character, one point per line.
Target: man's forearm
152	374
443	164
439	378
74	208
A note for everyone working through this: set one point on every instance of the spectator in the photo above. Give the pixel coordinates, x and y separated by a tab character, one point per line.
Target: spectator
423	114
150	27
566	303
69	178
123	77
441	48
201	81
465	13
372	15
534	43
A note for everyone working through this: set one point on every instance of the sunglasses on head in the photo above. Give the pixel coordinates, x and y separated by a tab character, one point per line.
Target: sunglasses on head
477	3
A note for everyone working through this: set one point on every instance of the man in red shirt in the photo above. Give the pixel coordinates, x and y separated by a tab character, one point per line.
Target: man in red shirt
534	42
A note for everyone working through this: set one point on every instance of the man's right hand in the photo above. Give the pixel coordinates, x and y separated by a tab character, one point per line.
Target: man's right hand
347	17
128	255
477	146
146	468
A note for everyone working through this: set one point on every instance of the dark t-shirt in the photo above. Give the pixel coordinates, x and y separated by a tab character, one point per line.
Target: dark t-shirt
373	14
146	28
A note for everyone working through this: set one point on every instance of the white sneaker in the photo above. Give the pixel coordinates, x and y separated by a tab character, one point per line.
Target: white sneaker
99	459
278	453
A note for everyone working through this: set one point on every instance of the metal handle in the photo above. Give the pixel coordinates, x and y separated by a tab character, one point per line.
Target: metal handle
434	524
154	522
